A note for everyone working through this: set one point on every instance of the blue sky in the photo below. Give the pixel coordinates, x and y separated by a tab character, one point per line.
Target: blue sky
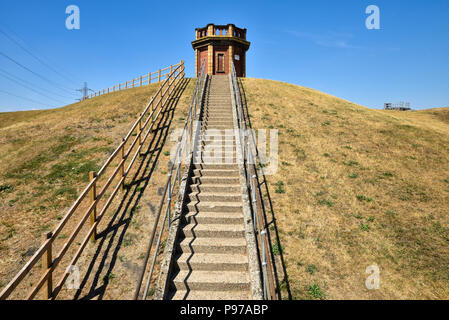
321	44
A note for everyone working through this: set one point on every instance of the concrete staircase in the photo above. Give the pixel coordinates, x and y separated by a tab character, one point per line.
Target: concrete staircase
211	253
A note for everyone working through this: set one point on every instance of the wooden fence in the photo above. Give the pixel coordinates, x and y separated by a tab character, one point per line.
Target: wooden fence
96	199
152	77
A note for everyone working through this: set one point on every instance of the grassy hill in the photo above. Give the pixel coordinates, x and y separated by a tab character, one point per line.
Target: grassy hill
360	187
45	160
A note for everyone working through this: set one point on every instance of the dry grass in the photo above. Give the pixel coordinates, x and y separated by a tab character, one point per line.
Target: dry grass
362	187
45	159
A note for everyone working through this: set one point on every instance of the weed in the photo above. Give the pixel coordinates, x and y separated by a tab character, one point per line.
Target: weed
328	203
363	198
327	155
151	292
353	175
326	123
108	277
166	153
370	219
350	163
364	227
6	188
69	193
391	213
277	249
311	268
315	291
127	242
280	187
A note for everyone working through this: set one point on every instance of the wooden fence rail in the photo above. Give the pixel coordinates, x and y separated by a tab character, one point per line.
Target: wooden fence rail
161	74
141	129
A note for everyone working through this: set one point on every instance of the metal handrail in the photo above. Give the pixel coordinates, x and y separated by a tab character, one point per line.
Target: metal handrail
249	159
184	148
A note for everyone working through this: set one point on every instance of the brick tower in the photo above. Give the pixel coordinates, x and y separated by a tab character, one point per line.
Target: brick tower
215	44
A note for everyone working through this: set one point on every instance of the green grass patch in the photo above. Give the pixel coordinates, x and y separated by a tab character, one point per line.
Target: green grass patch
280	187
277	249
315	291
328	203
311	268
364	227
363	198
6	188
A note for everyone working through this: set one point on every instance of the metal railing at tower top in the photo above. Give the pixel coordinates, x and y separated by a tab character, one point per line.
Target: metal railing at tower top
251	162
179	164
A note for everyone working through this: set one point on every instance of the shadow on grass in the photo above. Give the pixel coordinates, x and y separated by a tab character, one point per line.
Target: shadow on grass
111	239
270	224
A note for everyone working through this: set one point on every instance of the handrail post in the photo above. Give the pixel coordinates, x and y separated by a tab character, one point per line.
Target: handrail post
93	198
139	129
122	168
46	264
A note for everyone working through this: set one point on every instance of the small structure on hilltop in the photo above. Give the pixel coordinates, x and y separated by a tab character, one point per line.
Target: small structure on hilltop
401	106
216	45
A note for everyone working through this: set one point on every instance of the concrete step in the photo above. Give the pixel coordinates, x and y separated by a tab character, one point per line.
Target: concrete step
234	172
214	230
212	280
213	217
215	188
227	142
210	161
209	295
216	180
211	206
212	262
215	197
213	245
216	166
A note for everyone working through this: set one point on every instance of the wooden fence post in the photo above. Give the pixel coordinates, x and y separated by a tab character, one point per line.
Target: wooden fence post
141	81
46	264
93	197
119	86
122	168
149	78
159	77
139	129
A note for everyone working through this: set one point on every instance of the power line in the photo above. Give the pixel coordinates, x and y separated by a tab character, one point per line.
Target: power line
14	95
33	85
43	57
31	71
36	57
29	88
